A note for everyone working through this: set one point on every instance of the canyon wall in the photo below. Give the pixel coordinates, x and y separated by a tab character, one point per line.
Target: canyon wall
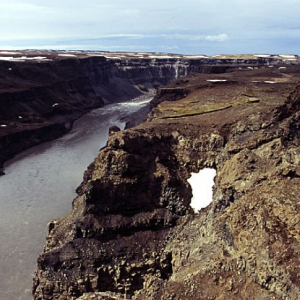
40	99
132	233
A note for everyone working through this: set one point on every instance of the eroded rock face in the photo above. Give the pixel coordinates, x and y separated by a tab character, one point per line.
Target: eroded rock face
132	232
42	95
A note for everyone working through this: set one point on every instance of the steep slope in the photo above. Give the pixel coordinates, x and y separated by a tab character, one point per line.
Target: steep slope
39	101
43	92
132	231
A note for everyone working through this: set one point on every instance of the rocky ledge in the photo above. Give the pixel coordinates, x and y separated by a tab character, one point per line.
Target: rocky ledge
132	233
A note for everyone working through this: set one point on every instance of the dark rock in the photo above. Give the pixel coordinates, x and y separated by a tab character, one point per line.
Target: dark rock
132	231
113	129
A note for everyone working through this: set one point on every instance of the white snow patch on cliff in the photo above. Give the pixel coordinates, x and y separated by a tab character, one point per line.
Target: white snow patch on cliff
6	58
287	56
196	56
9	52
216	80
202	188
22	58
262	55
66	55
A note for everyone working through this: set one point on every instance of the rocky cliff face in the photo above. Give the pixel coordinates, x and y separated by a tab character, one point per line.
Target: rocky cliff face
42	93
132	232
39	101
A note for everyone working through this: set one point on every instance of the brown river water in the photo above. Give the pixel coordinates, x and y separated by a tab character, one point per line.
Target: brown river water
39	186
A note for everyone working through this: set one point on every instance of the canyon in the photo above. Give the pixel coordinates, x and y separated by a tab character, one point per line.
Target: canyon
43	92
132	233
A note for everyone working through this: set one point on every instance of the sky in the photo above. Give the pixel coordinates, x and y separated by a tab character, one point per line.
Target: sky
187	27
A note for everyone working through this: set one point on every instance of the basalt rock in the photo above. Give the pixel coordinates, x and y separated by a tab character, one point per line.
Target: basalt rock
42	91
132	233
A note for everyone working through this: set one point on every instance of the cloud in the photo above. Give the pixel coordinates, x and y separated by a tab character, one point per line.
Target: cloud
21	7
222	37
217	38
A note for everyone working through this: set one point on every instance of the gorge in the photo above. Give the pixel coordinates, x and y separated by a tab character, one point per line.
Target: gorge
132	231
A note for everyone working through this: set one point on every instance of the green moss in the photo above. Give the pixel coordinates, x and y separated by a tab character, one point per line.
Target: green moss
195	112
183	111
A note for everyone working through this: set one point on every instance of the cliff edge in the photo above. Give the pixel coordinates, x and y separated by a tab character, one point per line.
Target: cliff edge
132	233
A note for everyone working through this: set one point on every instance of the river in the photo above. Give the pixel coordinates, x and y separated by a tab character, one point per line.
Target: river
39	186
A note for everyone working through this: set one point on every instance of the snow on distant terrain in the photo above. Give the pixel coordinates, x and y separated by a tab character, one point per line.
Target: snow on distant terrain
196	56
22	58
161	56
216	80
6	57
9	52
67	55
262	55
202	188
287	56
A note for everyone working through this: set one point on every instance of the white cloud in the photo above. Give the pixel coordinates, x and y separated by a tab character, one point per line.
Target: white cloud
175	36
217	38
222	37
21	7
122	35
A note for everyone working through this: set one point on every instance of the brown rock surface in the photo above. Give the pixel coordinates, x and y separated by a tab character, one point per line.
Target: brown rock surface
132	231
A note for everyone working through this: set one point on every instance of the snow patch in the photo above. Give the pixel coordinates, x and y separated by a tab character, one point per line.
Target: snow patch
268	81
287	56
216	80
3	125
196	56
160	56
262	55
55	104
67	55
22	58
112	57
202	188
9	52
6	57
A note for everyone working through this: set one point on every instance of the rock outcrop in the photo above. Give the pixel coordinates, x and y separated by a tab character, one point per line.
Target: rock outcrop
132	233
